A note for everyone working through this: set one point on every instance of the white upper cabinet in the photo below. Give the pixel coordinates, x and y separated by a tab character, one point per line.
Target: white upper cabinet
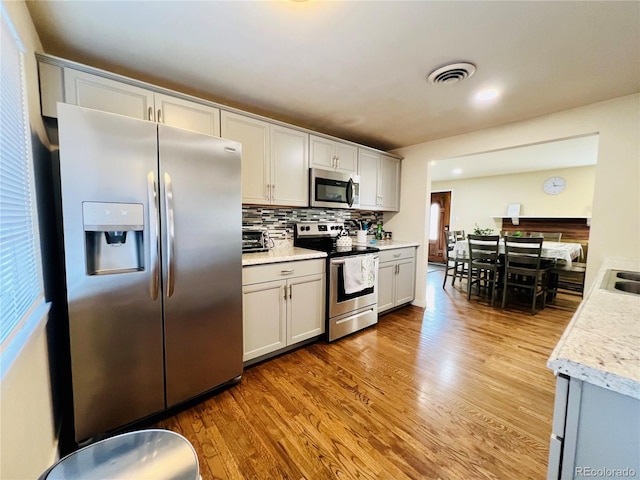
389	183
275	158
332	155
369	171
100	93
289	166
254	136
275	169
379	181
181	113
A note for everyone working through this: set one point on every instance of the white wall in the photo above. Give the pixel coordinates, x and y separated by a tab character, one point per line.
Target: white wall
28	443
480	200
615	220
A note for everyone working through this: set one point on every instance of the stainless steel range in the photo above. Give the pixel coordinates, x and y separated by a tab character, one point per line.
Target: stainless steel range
346	312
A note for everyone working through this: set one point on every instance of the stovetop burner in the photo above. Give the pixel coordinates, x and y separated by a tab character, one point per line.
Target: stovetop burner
323	235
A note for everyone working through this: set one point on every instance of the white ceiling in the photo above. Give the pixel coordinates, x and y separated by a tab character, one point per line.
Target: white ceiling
356	69
566	153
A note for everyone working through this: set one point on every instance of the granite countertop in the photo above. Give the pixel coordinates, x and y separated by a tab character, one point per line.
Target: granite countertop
600	344
280	254
389	244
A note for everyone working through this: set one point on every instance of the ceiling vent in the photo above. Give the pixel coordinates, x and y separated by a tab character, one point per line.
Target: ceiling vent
450	74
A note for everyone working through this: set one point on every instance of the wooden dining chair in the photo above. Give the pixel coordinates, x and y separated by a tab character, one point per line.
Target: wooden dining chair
524	269
457	263
459	234
483	264
548	236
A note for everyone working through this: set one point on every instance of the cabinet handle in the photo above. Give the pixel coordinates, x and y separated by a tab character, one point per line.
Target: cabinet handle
397	255
159	116
397	269
287	272
267	191
337	162
273	192
150	114
290	291
284	289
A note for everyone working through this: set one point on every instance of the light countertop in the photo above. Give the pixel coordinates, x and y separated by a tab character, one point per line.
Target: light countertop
600	344
287	253
280	254
389	244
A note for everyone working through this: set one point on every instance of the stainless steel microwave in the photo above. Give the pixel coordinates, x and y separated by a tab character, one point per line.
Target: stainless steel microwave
333	189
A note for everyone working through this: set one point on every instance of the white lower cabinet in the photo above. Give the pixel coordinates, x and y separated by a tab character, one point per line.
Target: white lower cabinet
396	278
283	304
594	432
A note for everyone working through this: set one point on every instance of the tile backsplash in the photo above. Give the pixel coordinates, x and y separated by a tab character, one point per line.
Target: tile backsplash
279	221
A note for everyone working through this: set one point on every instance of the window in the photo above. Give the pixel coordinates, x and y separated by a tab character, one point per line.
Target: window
21	293
434	221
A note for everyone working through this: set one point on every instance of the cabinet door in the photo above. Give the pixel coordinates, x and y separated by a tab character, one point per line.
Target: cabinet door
347	157
92	91
264	318
289	166
386	286
322	153
368	167
405	278
254	137
305	309
193	116
389	183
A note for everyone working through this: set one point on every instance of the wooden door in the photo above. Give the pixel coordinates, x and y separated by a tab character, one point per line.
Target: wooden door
439	223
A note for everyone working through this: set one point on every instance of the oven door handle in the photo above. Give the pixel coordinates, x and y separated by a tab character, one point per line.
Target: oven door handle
350	196
341	262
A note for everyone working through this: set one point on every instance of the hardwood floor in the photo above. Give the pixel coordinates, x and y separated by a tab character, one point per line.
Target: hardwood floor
457	391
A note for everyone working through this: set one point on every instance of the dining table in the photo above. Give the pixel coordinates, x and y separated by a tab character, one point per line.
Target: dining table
557	251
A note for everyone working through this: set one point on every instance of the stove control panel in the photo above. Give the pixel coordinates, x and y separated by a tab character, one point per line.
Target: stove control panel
318	229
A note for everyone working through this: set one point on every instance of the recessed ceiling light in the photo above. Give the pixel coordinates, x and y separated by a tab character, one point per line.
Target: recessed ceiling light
456	171
487	95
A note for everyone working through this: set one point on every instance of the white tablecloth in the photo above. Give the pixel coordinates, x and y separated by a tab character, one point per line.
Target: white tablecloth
555	250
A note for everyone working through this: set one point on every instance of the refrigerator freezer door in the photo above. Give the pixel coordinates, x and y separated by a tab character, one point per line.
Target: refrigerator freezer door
115	325
201	221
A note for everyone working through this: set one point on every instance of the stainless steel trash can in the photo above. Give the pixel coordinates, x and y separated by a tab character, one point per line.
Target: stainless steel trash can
144	455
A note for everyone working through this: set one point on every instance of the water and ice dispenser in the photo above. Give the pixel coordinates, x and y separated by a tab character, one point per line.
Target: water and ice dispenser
113	234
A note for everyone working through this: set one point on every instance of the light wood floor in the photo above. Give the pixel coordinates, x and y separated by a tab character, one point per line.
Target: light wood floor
457	391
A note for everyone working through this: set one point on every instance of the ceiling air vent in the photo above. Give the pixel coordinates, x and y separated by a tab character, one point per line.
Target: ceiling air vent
454	73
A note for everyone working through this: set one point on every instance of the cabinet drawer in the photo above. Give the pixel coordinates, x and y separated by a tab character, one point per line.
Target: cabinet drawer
279	271
397	254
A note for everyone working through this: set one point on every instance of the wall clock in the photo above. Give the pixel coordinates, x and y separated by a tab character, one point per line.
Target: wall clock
554	185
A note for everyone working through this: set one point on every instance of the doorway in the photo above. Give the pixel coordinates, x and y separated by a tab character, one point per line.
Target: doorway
438	226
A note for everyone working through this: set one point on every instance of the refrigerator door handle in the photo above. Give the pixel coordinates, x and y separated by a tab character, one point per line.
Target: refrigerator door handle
168	207
154	220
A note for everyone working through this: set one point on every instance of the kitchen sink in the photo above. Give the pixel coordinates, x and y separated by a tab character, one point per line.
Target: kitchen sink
622	281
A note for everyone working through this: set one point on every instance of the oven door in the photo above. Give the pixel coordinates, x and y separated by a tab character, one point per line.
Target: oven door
341	302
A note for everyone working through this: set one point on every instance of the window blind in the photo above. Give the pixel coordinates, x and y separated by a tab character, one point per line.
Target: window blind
20	276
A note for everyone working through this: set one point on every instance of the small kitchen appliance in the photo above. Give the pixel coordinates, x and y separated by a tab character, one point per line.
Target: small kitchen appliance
255	240
331	189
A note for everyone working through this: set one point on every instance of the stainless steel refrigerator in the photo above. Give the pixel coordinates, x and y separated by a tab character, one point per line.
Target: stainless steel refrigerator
152	227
